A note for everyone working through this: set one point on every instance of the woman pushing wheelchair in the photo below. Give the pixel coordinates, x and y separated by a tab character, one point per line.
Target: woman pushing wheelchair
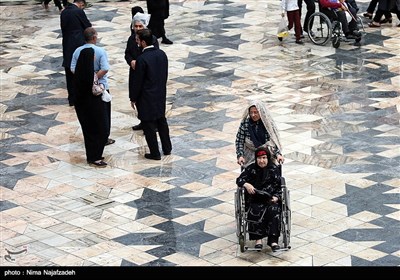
257	128
262	181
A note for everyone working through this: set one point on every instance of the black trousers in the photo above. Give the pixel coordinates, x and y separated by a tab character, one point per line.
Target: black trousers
57	3
310	10
150	132
156	25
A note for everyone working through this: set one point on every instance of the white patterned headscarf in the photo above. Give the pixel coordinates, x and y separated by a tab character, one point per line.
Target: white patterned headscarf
142	18
267	120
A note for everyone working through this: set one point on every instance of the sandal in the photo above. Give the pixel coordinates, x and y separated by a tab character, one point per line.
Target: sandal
374	24
110	141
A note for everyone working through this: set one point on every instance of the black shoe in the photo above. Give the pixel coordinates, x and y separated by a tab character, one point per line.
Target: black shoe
275	248
137	127
110	141
367	15
150	156
167	153
356	33
300	42
386	20
98	163
166	41
258	247
351	36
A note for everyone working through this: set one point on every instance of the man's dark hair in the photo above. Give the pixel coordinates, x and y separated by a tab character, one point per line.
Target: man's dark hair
145	35
76	1
89	33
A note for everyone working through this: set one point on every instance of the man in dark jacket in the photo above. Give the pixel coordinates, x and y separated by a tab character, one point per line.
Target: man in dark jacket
159	11
73	22
150	94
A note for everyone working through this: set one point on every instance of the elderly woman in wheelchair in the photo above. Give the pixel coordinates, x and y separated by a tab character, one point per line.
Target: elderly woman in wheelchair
345	13
262	182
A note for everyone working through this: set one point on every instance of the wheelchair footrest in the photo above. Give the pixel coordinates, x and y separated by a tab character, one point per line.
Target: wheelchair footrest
282	249
252	249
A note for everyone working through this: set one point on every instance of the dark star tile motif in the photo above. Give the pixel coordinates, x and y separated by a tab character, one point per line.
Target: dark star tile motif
5	205
208	60
50	63
127	263
101	15
164	203
380	178
10	175
185	171
160	262
370	199
388	233
4	156
175	238
374	38
33	103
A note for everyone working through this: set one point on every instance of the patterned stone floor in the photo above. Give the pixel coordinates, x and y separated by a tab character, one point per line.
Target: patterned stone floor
337	111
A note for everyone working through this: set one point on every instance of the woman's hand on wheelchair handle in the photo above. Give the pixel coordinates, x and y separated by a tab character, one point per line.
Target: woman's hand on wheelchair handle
241	161
280	159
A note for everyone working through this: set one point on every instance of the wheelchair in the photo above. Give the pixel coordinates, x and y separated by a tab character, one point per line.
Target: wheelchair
324	26
242	222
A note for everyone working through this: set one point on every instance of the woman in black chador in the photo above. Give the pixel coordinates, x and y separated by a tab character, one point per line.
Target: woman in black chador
90	109
262	181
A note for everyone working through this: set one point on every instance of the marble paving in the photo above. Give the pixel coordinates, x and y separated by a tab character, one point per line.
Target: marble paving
337	111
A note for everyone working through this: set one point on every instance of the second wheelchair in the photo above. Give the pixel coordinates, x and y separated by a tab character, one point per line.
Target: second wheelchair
326	25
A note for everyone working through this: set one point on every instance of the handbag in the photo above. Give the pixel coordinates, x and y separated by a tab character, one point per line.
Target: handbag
97	87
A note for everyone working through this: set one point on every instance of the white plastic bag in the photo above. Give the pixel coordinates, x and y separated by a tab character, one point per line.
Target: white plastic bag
283	28
106	96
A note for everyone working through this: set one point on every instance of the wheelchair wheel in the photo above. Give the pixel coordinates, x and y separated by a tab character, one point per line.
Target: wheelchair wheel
335	41
286	215
238	214
336	34
319	28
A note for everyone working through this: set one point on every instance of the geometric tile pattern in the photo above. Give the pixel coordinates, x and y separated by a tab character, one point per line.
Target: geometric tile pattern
337	111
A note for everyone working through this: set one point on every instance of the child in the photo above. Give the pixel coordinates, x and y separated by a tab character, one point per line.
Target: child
293	15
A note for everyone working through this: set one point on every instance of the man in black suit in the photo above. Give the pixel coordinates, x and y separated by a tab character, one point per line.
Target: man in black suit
73	22
150	94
